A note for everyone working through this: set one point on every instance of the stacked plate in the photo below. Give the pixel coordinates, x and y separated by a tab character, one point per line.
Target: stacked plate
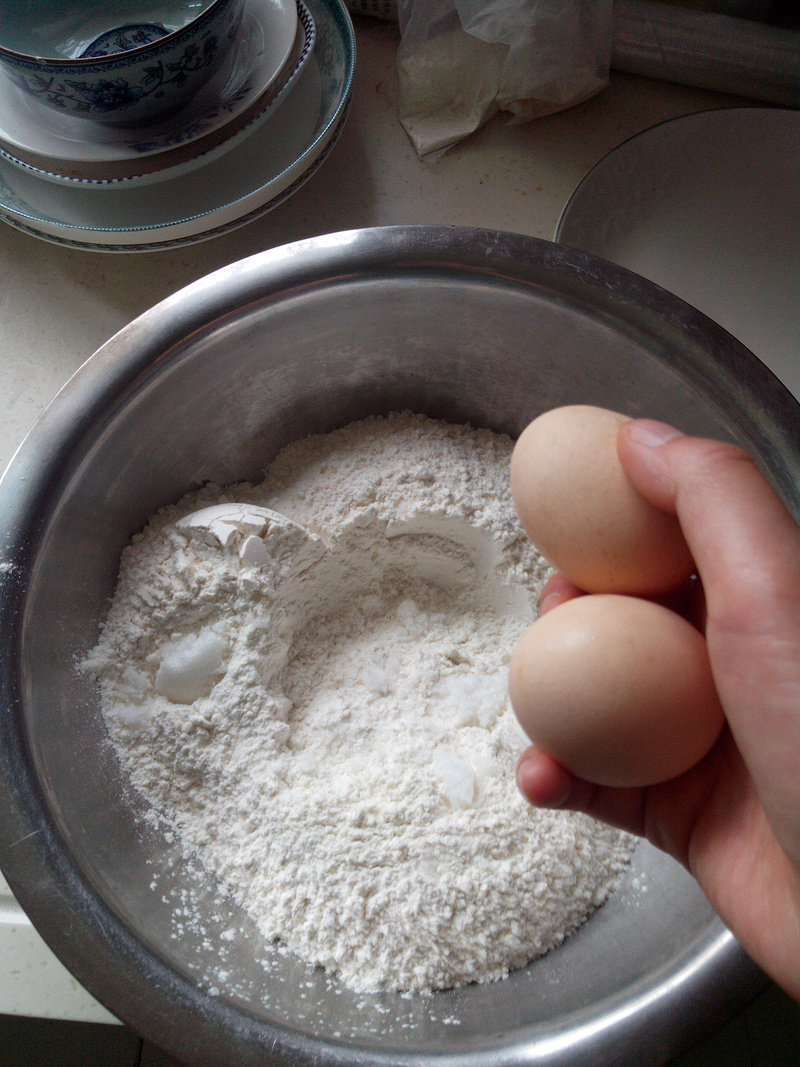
246	142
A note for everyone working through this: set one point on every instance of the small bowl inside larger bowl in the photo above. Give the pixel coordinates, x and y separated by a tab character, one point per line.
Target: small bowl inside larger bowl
122	62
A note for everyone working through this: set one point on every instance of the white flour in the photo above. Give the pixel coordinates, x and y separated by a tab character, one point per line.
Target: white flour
325	721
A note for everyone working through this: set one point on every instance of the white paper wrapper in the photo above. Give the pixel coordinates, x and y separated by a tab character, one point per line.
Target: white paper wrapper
461	61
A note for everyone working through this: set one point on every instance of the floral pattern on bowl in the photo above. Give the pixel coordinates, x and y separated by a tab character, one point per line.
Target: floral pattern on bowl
122	39
113	95
148	80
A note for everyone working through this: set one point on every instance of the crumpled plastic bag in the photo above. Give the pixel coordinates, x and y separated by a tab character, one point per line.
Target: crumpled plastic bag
459	62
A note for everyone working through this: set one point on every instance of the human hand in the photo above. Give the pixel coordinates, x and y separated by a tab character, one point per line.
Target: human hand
734	818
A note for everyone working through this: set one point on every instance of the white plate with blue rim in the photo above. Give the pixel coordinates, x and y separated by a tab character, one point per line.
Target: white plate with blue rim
180	158
251	75
707	206
256	175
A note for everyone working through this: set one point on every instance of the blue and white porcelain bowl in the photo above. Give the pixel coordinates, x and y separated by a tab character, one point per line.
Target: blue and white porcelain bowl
115	61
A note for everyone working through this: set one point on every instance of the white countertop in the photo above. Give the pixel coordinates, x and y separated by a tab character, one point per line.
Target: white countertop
58	305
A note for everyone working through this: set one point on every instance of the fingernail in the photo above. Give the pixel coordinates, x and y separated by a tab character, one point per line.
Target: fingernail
554	591
548	601
555	801
529	783
650	433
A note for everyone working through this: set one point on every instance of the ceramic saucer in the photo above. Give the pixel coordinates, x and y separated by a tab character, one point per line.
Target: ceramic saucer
256	175
198	153
707	206
92	151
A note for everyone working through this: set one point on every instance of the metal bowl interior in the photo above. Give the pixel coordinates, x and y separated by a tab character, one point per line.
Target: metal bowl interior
463	325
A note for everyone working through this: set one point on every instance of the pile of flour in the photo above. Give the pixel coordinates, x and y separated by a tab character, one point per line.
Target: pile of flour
323	715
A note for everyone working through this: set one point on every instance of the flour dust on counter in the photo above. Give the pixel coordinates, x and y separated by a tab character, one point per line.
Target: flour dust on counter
316	700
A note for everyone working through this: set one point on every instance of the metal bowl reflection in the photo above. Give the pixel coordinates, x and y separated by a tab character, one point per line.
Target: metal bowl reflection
465	325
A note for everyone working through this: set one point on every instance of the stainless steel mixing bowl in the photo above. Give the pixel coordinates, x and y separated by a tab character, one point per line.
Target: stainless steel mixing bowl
463	325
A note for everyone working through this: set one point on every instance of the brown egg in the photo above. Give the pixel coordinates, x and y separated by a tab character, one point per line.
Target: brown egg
617	689
584	515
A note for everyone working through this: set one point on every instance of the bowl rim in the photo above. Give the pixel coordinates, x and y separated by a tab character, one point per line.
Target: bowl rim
27	61
82	928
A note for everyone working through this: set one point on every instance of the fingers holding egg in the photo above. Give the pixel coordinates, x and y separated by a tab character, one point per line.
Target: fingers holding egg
615	685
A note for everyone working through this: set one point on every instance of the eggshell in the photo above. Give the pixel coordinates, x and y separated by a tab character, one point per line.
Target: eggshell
617	689
582	512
